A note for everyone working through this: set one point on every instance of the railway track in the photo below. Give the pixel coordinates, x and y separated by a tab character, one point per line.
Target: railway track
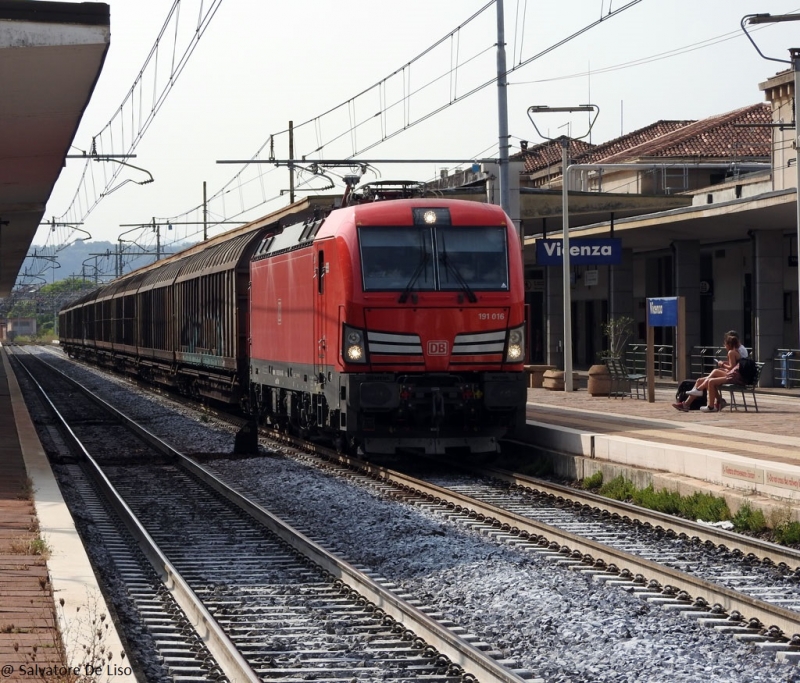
674	588
736	584
263	601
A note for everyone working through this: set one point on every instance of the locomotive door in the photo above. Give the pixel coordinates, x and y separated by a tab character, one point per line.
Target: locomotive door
320	328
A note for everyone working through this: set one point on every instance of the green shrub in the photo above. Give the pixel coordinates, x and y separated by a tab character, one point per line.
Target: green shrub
747	519
787	533
668	502
705	506
594	482
618	488
699	505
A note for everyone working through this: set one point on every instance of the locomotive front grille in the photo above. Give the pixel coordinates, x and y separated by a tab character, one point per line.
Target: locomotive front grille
479	343
388	344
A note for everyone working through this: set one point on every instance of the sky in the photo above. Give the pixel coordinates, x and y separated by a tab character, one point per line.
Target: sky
260	64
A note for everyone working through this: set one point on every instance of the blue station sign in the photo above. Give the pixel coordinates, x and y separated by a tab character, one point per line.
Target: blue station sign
662	312
583	251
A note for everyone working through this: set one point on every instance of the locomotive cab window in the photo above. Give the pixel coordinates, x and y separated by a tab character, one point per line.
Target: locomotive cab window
476	257
393	257
441	258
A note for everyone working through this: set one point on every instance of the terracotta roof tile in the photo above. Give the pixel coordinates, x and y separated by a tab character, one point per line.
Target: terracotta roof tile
717	137
632	140
548	153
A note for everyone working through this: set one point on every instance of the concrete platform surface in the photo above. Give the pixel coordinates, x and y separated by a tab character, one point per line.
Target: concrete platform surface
31	592
752	452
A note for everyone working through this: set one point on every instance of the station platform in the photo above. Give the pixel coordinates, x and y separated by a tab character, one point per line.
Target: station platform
744	456
42	558
27	609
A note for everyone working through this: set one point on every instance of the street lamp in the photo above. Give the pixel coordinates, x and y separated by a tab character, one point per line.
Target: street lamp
794	54
564	140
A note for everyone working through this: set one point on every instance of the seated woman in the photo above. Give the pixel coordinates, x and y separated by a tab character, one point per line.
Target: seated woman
727	371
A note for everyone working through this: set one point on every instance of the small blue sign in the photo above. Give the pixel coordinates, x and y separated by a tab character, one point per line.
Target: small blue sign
583	251
662	312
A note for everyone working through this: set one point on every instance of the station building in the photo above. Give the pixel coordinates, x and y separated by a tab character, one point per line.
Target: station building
11	328
712	220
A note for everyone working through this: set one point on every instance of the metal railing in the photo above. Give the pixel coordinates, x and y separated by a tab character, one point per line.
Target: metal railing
636	360
703	359
786	368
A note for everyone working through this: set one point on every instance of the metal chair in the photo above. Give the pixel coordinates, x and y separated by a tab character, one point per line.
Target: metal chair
744	389
623	382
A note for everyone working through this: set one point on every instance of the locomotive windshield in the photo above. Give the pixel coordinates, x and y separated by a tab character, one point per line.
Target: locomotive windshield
433	259
393	257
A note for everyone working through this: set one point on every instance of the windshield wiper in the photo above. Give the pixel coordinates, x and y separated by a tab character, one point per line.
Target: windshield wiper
423	262
459	278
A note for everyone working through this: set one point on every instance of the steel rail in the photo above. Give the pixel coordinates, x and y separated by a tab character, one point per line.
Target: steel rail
769	615
721	537
459	651
786	620
227	656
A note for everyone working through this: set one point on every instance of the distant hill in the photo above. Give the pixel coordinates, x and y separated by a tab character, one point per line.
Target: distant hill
97	260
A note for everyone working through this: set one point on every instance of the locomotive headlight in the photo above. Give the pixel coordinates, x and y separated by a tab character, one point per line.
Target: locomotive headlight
353	348
515	348
514	352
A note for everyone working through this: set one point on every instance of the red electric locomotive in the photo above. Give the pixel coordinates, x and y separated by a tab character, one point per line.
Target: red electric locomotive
396	324
380	325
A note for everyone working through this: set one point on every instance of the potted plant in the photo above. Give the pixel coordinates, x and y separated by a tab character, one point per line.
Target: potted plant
618	331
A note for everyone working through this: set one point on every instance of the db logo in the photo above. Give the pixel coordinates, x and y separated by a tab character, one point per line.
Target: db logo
437	348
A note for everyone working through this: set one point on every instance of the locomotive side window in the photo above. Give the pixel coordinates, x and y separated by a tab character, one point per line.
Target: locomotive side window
475	257
393	257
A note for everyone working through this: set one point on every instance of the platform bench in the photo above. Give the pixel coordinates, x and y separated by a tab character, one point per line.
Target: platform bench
743	389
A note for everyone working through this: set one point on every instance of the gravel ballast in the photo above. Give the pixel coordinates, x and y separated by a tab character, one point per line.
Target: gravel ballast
558	624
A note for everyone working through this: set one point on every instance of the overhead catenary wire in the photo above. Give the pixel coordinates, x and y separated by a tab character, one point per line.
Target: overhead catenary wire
87	196
667	54
386	133
351	130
